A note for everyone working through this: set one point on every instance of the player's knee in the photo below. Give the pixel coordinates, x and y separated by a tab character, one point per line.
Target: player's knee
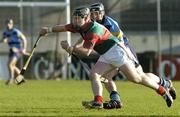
137	79
93	75
10	65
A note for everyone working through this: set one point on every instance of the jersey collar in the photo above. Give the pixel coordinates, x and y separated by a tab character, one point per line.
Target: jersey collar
86	26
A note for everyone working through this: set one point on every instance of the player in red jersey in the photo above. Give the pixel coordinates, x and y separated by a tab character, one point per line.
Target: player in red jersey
113	55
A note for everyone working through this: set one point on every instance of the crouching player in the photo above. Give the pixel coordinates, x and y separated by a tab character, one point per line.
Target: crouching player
113	55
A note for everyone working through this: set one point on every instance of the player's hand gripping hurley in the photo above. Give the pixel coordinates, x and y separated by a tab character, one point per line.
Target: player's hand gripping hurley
20	78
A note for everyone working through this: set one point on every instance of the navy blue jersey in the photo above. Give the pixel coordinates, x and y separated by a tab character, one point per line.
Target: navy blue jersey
13	37
114	28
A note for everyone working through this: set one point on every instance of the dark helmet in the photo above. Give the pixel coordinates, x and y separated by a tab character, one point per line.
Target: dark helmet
97	7
81	11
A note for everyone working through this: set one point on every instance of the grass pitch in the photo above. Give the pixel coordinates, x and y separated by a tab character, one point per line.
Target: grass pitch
42	98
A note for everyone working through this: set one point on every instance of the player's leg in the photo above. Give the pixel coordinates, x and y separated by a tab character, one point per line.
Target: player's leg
104	65
161	81
14	56
126	65
11	67
17	70
141	78
165	83
115	101
110	85
118	58
97	71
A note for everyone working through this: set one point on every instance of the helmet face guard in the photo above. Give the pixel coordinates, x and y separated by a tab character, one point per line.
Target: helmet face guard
82	12
97	12
97	7
78	14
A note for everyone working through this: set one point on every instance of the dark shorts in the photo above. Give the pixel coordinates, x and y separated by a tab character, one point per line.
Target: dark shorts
16	55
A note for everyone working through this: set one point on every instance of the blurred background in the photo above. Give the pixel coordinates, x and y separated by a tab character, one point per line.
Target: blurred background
152	26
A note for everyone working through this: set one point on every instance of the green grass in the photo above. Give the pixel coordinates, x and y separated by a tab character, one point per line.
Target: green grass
63	98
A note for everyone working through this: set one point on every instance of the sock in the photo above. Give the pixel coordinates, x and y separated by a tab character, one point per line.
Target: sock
161	90
11	78
98	98
168	82
165	83
114	96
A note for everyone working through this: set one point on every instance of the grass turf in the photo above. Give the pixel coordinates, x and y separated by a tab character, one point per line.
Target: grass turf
42	98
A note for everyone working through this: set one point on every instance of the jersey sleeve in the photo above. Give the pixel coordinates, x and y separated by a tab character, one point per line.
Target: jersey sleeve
115	30
90	41
19	33
71	28
113	27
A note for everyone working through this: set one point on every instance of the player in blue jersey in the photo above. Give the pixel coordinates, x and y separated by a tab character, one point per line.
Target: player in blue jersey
98	14
17	46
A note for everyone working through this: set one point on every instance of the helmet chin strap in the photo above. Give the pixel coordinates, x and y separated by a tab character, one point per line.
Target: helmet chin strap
99	21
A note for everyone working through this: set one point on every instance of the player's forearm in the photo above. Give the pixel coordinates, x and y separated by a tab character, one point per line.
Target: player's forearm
25	44
79	43
24	41
75	50
82	51
45	30
58	28
4	40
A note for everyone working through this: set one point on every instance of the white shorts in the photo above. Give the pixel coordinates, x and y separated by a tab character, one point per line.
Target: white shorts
115	56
